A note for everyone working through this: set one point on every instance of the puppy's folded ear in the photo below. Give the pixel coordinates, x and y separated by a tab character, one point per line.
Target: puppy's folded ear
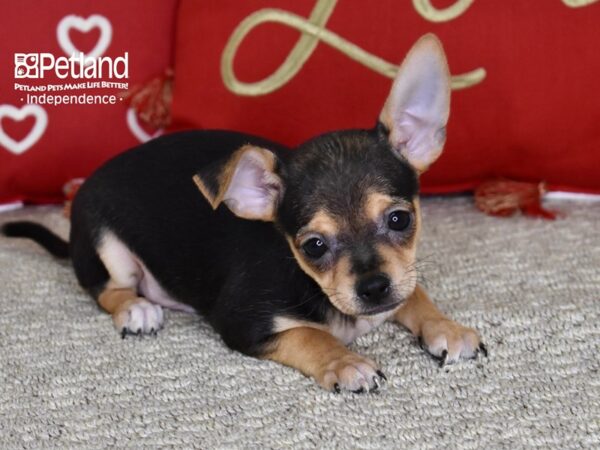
417	108
246	183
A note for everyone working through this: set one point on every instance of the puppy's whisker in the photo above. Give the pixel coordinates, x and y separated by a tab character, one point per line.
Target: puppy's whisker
304	302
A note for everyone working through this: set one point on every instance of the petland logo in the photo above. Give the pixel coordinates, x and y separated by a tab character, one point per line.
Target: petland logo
37	65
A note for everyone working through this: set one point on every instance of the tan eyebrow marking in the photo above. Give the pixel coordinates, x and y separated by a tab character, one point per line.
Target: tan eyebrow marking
376	203
322	223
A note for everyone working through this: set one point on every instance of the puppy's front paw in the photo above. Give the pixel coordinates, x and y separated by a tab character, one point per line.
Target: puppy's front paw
449	341
138	316
351	372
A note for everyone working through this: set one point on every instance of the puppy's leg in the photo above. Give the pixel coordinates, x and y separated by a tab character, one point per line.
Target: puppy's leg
130	313
441	336
318	354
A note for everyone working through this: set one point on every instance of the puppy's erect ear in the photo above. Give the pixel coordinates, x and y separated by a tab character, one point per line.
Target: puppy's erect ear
246	183
417	108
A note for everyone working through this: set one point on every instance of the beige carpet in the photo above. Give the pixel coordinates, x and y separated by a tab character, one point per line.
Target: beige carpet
531	287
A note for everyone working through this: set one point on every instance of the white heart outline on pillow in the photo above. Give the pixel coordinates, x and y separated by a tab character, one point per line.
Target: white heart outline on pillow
18	114
84	25
137	130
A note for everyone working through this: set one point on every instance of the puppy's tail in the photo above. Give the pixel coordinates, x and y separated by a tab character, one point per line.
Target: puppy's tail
40	234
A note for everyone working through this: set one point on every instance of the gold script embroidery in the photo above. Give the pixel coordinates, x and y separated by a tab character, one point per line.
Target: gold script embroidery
313	30
578	3
433	14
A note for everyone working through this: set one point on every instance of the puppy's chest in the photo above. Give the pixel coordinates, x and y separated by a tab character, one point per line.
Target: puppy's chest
347	330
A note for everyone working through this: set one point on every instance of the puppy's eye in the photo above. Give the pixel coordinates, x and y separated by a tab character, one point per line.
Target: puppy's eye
315	248
399	220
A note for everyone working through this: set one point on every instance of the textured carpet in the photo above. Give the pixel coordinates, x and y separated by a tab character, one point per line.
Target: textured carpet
531	287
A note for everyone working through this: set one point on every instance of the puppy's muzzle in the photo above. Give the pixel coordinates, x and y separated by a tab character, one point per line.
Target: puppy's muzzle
375	292
374	289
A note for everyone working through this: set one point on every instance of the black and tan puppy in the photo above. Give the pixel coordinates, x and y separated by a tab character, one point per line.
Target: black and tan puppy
289	254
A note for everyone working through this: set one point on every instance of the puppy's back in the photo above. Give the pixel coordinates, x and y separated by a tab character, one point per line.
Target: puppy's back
146	197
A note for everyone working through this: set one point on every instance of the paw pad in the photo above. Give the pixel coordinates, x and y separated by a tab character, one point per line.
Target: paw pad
139	317
448	342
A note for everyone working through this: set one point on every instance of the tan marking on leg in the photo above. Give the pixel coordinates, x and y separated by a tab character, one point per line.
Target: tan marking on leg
318	354
115	300
439	333
130	313
417	310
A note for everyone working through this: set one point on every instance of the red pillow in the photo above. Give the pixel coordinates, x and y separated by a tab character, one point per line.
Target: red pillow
533	116
43	146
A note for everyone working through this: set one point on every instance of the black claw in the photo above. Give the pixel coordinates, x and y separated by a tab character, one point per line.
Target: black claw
336	388
483	349
376	381
123	333
443	358
381	375
359	391
139	331
440	359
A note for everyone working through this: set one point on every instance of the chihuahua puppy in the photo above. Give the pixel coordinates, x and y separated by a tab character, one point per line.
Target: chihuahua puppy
290	255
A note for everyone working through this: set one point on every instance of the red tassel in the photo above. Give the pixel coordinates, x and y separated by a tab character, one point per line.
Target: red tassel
69	190
502	197
152	100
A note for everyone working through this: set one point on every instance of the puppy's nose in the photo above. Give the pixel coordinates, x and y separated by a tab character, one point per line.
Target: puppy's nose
373	288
